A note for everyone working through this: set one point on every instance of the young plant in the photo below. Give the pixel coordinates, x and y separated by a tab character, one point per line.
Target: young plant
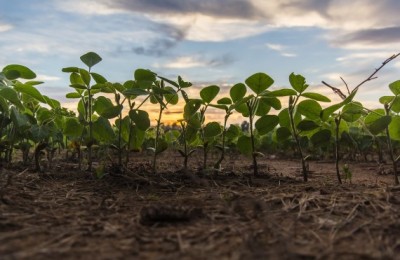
301	118
259	105
212	129
81	81
229	104
164	96
190	125
392	109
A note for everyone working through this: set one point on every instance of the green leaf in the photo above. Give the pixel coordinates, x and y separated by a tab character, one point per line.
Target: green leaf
284	119
223	107
183	84
43	114
232	132
172	136
161	91
243	109
12	96
327	112
282	92
321	138
244	145
386	99
191	108
259	82
76	79
224	101
352	112
105	108
298	82
191	133
71	69
263	107
379	125
136	92
98	78
31	91
39	132
34	82
11	74
141	119
162	145
374	115
85	76
78	86
307	125
207	94
171	98
395	105
73	128
137	138
272	102
73	95
171	82
395	87
316	96
266	123
394	128
19	120
310	109
90	59
212	129
237	92
145	78
283	133
24	72
102	130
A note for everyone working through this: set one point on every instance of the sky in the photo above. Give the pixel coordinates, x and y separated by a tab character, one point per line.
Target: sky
207	42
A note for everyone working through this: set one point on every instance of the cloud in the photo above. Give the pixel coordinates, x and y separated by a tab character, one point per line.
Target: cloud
186	62
5	27
218	8
46	78
369	39
280	49
170	37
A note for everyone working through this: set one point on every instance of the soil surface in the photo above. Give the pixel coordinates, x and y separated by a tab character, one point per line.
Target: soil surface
65	213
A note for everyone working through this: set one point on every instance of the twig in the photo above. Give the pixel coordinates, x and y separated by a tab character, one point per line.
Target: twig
336	90
371	77
347	86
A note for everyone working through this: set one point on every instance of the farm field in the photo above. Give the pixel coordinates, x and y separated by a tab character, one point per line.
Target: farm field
67	214
301	177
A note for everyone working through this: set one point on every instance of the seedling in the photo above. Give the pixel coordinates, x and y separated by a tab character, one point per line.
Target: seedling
257	105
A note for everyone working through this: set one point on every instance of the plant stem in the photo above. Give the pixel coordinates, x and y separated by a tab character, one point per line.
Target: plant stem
391	153
185	161
252	107
119	140
221	158
90	131
337	147
156	140
296	137
128	147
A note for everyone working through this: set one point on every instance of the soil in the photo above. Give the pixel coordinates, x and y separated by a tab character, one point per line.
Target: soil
65	213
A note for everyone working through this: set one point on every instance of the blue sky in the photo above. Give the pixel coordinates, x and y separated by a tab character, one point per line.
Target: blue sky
206	42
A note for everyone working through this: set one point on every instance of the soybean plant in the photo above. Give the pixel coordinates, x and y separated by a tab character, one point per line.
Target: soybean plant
257	104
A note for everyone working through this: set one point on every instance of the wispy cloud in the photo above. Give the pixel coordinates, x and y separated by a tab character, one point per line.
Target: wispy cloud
167	38
46	78
281	49
5	27
196	61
